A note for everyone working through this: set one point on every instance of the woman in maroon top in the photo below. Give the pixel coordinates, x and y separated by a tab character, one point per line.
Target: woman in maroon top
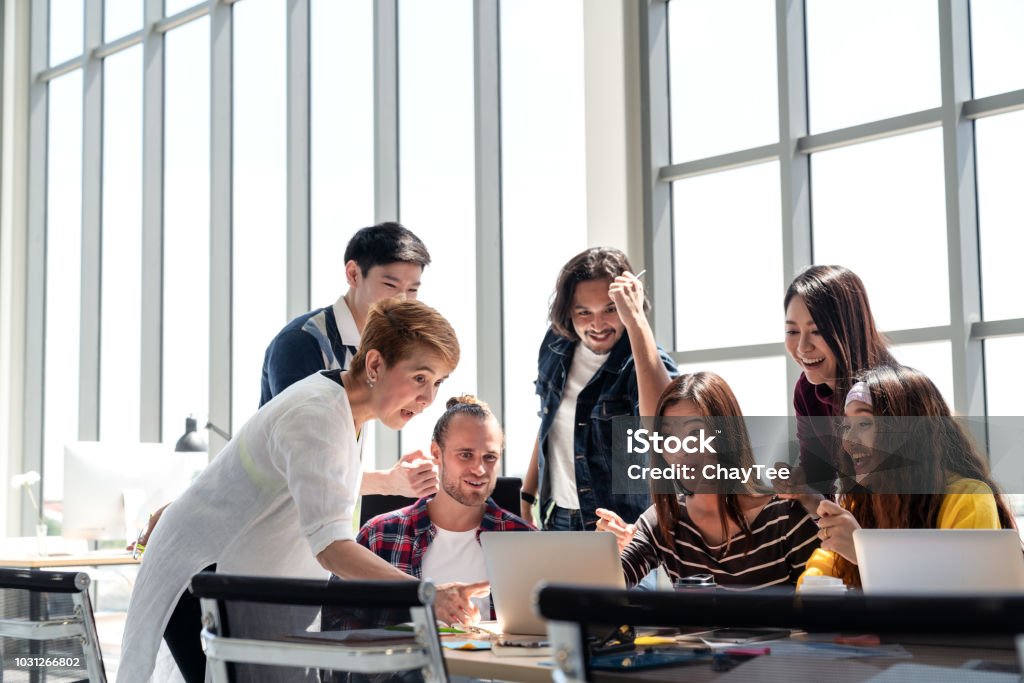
831	335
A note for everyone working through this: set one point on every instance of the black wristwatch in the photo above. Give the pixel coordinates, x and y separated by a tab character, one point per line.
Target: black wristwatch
527	497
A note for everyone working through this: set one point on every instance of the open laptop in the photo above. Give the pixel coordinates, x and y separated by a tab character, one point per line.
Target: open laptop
939	561
517	562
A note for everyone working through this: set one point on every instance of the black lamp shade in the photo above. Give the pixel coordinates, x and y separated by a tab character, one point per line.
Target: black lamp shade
190	441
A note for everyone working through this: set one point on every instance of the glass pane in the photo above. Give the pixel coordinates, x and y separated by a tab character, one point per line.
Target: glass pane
997	46
63	277
341	160
723	76
728	258
121	324
121	17
66	30
1002	376
870	59
259	228
543	190
934	359
172	7
438	201
186	227
879	209
1000	159
759	383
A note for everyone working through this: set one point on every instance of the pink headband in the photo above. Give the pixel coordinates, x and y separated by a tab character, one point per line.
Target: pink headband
858	392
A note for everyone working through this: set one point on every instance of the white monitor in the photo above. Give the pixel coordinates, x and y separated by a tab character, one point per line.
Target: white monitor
111	488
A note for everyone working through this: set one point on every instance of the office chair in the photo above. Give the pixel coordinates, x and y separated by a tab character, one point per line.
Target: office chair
47	617
231	606
506	495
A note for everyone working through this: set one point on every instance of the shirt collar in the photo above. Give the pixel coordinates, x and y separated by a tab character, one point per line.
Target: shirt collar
350	334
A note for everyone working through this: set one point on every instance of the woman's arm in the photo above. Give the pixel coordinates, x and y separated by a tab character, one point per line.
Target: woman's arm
651	375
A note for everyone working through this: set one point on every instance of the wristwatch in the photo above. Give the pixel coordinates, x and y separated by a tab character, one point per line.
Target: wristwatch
527	497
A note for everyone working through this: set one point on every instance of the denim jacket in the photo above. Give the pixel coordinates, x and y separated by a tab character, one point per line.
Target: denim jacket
611	392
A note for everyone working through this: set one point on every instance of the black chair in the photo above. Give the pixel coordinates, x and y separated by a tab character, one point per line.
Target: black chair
238	650
506	495
48	615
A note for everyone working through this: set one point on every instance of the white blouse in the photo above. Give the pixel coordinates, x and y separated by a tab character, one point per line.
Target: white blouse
282	490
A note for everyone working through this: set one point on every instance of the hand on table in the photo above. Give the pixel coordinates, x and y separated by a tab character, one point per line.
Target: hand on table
454	605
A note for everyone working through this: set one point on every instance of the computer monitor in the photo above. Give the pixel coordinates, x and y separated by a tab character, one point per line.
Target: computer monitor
110	489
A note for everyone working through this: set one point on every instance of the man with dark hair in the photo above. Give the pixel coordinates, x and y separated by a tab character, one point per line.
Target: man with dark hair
383	261
586	376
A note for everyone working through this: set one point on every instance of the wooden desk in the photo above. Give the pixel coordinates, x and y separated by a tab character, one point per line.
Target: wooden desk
96	558
486	665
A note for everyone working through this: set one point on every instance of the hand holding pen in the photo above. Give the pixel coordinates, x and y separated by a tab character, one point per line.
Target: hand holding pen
627	293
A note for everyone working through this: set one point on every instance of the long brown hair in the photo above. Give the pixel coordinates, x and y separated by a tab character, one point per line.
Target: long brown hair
936	449
596	263
716	402
838	302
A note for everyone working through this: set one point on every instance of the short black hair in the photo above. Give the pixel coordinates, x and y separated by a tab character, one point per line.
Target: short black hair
384	243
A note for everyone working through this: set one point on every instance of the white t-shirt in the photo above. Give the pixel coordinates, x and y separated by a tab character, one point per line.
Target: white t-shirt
282	490
561	438
456	556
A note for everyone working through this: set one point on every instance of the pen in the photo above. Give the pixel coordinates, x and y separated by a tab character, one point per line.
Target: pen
640	274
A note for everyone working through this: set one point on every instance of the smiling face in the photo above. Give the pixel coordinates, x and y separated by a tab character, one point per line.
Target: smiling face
858	432
594	317
405	389
470	459
399	279
806	345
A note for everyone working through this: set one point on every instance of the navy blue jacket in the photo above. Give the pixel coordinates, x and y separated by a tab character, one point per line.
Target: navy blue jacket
611	392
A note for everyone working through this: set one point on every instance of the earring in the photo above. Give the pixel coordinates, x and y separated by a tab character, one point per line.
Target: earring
369	383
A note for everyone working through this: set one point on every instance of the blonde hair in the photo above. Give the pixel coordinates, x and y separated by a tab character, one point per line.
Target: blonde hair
397	329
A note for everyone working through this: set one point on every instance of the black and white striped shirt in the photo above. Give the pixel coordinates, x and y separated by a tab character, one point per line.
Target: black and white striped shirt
783	538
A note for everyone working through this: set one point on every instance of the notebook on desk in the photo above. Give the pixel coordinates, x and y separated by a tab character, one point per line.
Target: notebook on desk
939	561
517	563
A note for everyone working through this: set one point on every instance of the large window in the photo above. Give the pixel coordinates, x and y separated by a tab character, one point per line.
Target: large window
830	115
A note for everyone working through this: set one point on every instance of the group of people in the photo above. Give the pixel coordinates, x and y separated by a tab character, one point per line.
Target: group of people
279	499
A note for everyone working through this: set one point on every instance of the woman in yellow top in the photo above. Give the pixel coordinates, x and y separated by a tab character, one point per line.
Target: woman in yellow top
908	473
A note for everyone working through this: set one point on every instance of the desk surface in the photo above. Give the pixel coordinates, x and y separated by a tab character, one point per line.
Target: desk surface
530	670
98	558
486	665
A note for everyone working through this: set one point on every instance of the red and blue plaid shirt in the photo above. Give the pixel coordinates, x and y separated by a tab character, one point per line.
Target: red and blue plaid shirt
401	537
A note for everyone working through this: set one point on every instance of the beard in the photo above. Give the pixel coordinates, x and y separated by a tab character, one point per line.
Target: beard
459	493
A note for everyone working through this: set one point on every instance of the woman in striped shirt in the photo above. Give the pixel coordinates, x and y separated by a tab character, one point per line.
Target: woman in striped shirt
744	537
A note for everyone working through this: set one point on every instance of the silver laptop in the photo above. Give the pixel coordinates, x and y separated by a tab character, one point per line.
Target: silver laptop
517	562
939	561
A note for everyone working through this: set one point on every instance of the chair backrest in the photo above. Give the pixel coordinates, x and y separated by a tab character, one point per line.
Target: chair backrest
251	622
48	615
506	495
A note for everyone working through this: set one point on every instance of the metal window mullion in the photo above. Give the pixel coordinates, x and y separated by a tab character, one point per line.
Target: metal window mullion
961	208
35	286
298	238
794	167
656	145
151	315
385	157
489	255
92	202
221	133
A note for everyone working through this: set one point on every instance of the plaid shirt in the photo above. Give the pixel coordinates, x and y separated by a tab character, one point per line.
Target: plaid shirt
401	537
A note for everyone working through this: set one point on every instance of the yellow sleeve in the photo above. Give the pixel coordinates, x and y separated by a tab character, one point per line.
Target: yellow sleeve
821	563
968	504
